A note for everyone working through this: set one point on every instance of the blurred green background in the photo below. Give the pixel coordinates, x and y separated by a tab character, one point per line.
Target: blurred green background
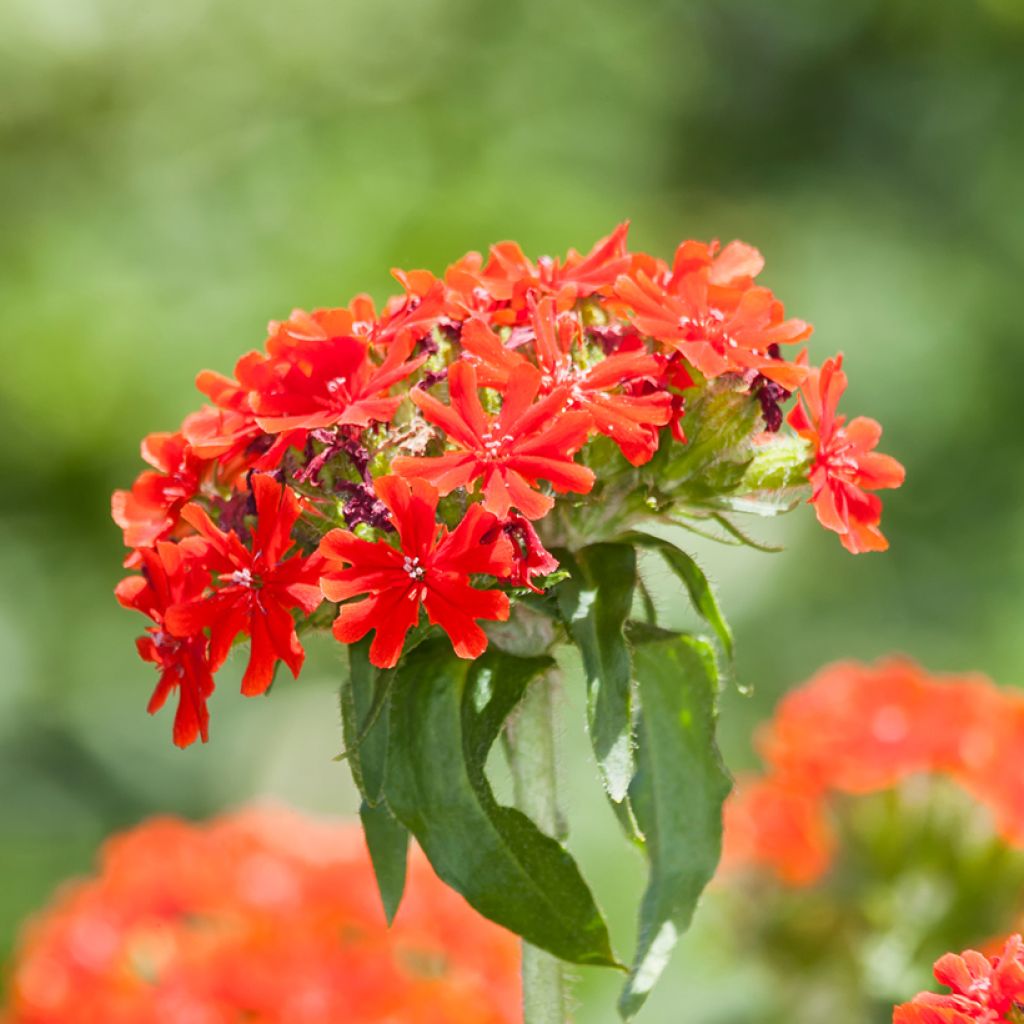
174	175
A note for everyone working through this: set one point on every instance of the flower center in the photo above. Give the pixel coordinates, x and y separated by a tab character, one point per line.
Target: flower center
413	569
239	578
708	327
494	446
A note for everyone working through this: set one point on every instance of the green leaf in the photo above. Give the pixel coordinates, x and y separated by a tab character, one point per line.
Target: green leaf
365	696
387	840
696	583
445	716
595	602
677	795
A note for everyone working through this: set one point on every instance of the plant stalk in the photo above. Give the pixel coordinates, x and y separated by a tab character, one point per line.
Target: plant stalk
531	746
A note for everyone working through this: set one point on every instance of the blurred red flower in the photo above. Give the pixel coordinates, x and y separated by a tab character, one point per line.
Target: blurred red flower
264	917
861	729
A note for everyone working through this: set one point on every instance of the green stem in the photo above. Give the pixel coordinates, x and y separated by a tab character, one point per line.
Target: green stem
531	745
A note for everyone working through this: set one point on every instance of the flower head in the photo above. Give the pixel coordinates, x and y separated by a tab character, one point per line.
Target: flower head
548	407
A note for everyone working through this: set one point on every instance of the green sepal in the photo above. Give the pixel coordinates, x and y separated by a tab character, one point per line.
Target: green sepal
387	841
677	794
445	716
595	603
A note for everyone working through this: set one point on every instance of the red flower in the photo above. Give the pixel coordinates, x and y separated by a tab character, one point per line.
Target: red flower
529	556
774	824
265	916
984	990
607	389
257	589
525	443
708	309
171	574
502	287
150	511
846	465
860	729
305	383
431	567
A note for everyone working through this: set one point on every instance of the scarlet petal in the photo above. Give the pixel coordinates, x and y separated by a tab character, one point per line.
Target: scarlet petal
259	673
454	605
391	614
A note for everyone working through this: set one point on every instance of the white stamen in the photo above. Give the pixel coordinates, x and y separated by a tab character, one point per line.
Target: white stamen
241	578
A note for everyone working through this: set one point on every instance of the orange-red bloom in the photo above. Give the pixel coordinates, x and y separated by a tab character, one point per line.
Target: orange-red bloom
608	389
503	286
846	465
263	916
513	366
512	452
173	573
708	309
984	990
256	589
151	510
861	729
304	382
431	568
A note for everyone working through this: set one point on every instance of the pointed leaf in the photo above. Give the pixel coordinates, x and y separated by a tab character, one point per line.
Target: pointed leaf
387	841
677	796
696	583
445	716
595	602
365	696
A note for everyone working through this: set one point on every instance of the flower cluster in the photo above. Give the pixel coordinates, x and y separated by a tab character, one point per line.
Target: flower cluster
859	729
410	458
984	990
262	916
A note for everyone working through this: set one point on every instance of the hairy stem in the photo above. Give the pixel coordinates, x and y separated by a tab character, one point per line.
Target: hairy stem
531	746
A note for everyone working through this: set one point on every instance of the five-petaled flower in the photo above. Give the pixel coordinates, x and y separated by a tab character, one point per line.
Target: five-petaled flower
845	465
172	573
525	443
255	590
611	389
708	309
984	990
430	568
304	383
150	511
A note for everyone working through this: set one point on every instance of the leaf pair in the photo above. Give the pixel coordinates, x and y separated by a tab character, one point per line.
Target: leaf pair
443	715
669	801
419	737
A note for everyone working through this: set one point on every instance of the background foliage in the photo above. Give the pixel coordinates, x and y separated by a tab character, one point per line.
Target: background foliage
174	175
